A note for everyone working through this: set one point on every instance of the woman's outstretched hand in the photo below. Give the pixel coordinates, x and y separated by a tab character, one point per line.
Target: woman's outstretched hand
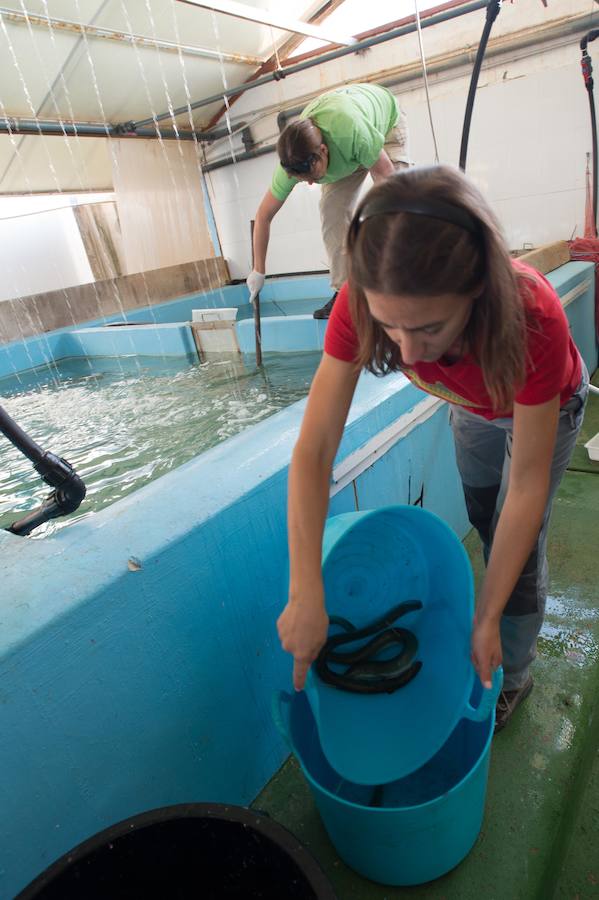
486	648
303	628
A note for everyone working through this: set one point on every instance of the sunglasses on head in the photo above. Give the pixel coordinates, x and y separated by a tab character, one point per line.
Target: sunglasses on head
300	168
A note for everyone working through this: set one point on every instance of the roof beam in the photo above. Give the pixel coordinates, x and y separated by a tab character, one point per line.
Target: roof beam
264	17
123	37
283	52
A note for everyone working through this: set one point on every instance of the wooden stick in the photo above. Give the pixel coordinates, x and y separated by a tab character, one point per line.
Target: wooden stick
256	305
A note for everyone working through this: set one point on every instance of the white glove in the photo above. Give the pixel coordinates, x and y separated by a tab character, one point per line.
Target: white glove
255	282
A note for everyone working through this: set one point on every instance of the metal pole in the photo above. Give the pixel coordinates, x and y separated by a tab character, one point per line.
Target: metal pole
18	125
256	305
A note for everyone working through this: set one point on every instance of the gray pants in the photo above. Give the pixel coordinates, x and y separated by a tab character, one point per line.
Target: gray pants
338	201
483	451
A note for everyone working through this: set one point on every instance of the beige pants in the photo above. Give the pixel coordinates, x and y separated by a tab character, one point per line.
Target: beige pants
338	201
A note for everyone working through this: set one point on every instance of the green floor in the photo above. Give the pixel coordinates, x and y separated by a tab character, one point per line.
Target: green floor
540	836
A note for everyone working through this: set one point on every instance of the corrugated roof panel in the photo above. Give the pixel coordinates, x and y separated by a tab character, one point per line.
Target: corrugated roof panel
132	83
60	73
171	21
38	62
26	67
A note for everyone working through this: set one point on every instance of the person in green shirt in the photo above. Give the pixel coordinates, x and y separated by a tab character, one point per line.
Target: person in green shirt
339	138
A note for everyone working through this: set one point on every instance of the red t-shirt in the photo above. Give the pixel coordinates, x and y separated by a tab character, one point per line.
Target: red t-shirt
553	361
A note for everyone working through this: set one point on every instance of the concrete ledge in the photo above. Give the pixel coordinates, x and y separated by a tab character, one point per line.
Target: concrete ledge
72	306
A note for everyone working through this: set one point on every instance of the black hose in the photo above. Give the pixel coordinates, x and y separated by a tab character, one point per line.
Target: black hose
69	489
64	500
587	74
19	438
493	8
594	137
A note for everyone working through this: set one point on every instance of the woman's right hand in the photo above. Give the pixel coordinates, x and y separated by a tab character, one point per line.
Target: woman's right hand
303	628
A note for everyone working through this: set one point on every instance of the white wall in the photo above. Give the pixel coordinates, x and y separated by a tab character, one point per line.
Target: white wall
41	252
528	142
40	244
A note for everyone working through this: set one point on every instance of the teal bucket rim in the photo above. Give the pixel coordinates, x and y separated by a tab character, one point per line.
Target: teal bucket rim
394	809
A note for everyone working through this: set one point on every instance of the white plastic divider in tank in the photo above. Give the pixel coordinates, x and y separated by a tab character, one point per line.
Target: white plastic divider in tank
361	459
213	330
592	448
575	292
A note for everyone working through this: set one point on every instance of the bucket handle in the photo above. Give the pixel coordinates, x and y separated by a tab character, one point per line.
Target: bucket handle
488	699
281	712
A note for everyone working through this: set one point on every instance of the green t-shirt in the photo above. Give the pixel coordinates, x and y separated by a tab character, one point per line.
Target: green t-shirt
354	122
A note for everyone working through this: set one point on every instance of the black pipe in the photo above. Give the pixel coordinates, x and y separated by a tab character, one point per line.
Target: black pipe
20	439
69	489
587	74
493	9
247	154
280	73
247	140
286	114
594	140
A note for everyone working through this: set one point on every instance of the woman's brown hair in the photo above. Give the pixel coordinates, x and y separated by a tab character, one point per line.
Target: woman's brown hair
393	251
299	145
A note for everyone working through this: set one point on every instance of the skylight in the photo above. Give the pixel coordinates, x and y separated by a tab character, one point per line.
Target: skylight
355	16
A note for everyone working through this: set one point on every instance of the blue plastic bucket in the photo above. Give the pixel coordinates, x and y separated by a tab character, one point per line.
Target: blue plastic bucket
373	561
411	830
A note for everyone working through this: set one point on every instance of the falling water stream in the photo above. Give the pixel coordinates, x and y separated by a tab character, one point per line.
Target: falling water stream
125	420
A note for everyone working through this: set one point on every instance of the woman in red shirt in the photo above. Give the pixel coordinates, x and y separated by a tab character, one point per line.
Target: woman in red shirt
433	293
